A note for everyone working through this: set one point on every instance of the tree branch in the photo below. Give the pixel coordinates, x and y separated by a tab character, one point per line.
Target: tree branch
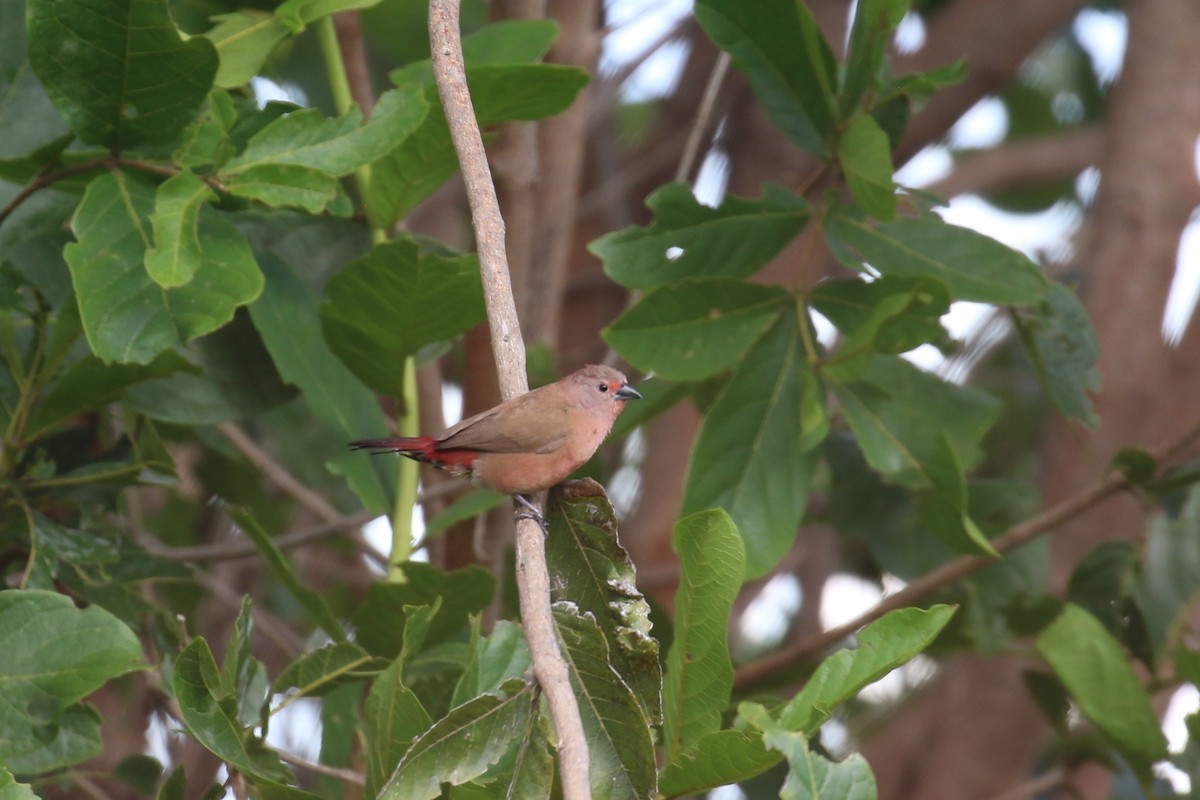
347	775
533	579
959	568
277	474
1023	161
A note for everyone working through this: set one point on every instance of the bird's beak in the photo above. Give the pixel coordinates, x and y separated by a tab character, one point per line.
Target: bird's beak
627	392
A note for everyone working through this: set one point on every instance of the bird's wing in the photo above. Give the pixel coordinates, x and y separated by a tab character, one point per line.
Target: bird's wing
522	425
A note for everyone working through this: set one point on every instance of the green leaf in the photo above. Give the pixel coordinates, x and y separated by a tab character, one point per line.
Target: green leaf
394	717
118	70
899	413
870	38
384	307
206	140
426	159
890	315
720	758
1165	588
54	656
244	40
462	745
286	316
314	604
596	575
242	675
211	716
285	185
319	672
974	266
944	507
229	376
176	254
469	506
1096	672
1098	583
335	147
865	155
11	790
620	750
494	659
790	65
747	458
690	240
1062	344
297	14
699	673
883	645
127	316
813	777
379	622
91	384
695	328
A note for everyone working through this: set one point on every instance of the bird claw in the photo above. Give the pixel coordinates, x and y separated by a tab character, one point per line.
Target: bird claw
531	512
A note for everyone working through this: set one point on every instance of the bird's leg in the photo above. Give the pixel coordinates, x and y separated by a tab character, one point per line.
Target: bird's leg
531	512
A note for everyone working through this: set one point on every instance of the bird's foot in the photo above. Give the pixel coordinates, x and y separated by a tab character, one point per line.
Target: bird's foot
531	512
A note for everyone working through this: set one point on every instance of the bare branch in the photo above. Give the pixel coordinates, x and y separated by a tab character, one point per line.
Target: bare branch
703	117
959	568
347	775
1023	161
533	579
277	474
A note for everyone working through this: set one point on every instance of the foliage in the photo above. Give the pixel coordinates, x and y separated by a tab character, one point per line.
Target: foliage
231	266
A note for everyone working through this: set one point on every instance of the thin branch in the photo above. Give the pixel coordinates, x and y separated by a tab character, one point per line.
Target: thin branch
703	117
533	579
236	550
959	568
277	474
1023	161
1034	786
46	179
347	775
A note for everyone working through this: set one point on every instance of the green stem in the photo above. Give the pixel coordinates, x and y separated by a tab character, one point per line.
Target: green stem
406	483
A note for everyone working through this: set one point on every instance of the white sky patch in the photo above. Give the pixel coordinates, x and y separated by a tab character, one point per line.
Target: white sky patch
1103	35
845	597
266	90
297	728
731	792
1185	287
765	620
635	25
712	178
930	164
1087	183
910	33
1040	236
984	125
1186	700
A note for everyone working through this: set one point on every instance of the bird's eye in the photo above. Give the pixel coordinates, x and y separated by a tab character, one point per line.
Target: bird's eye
603	387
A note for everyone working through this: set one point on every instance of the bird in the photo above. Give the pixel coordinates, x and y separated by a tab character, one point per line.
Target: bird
526	444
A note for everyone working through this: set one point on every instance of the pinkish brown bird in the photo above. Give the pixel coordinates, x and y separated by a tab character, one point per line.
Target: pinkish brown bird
526	444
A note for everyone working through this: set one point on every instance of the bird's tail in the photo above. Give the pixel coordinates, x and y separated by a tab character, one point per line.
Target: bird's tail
418	447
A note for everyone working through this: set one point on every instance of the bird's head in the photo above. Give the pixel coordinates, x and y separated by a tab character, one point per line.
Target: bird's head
600	387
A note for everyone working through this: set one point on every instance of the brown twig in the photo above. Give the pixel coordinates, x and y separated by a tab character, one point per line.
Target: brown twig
347	775
234	551
46	179
277	474
959	568
1034	786
533	579
703	117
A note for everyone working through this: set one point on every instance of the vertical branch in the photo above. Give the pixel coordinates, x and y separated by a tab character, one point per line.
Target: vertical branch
533	579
